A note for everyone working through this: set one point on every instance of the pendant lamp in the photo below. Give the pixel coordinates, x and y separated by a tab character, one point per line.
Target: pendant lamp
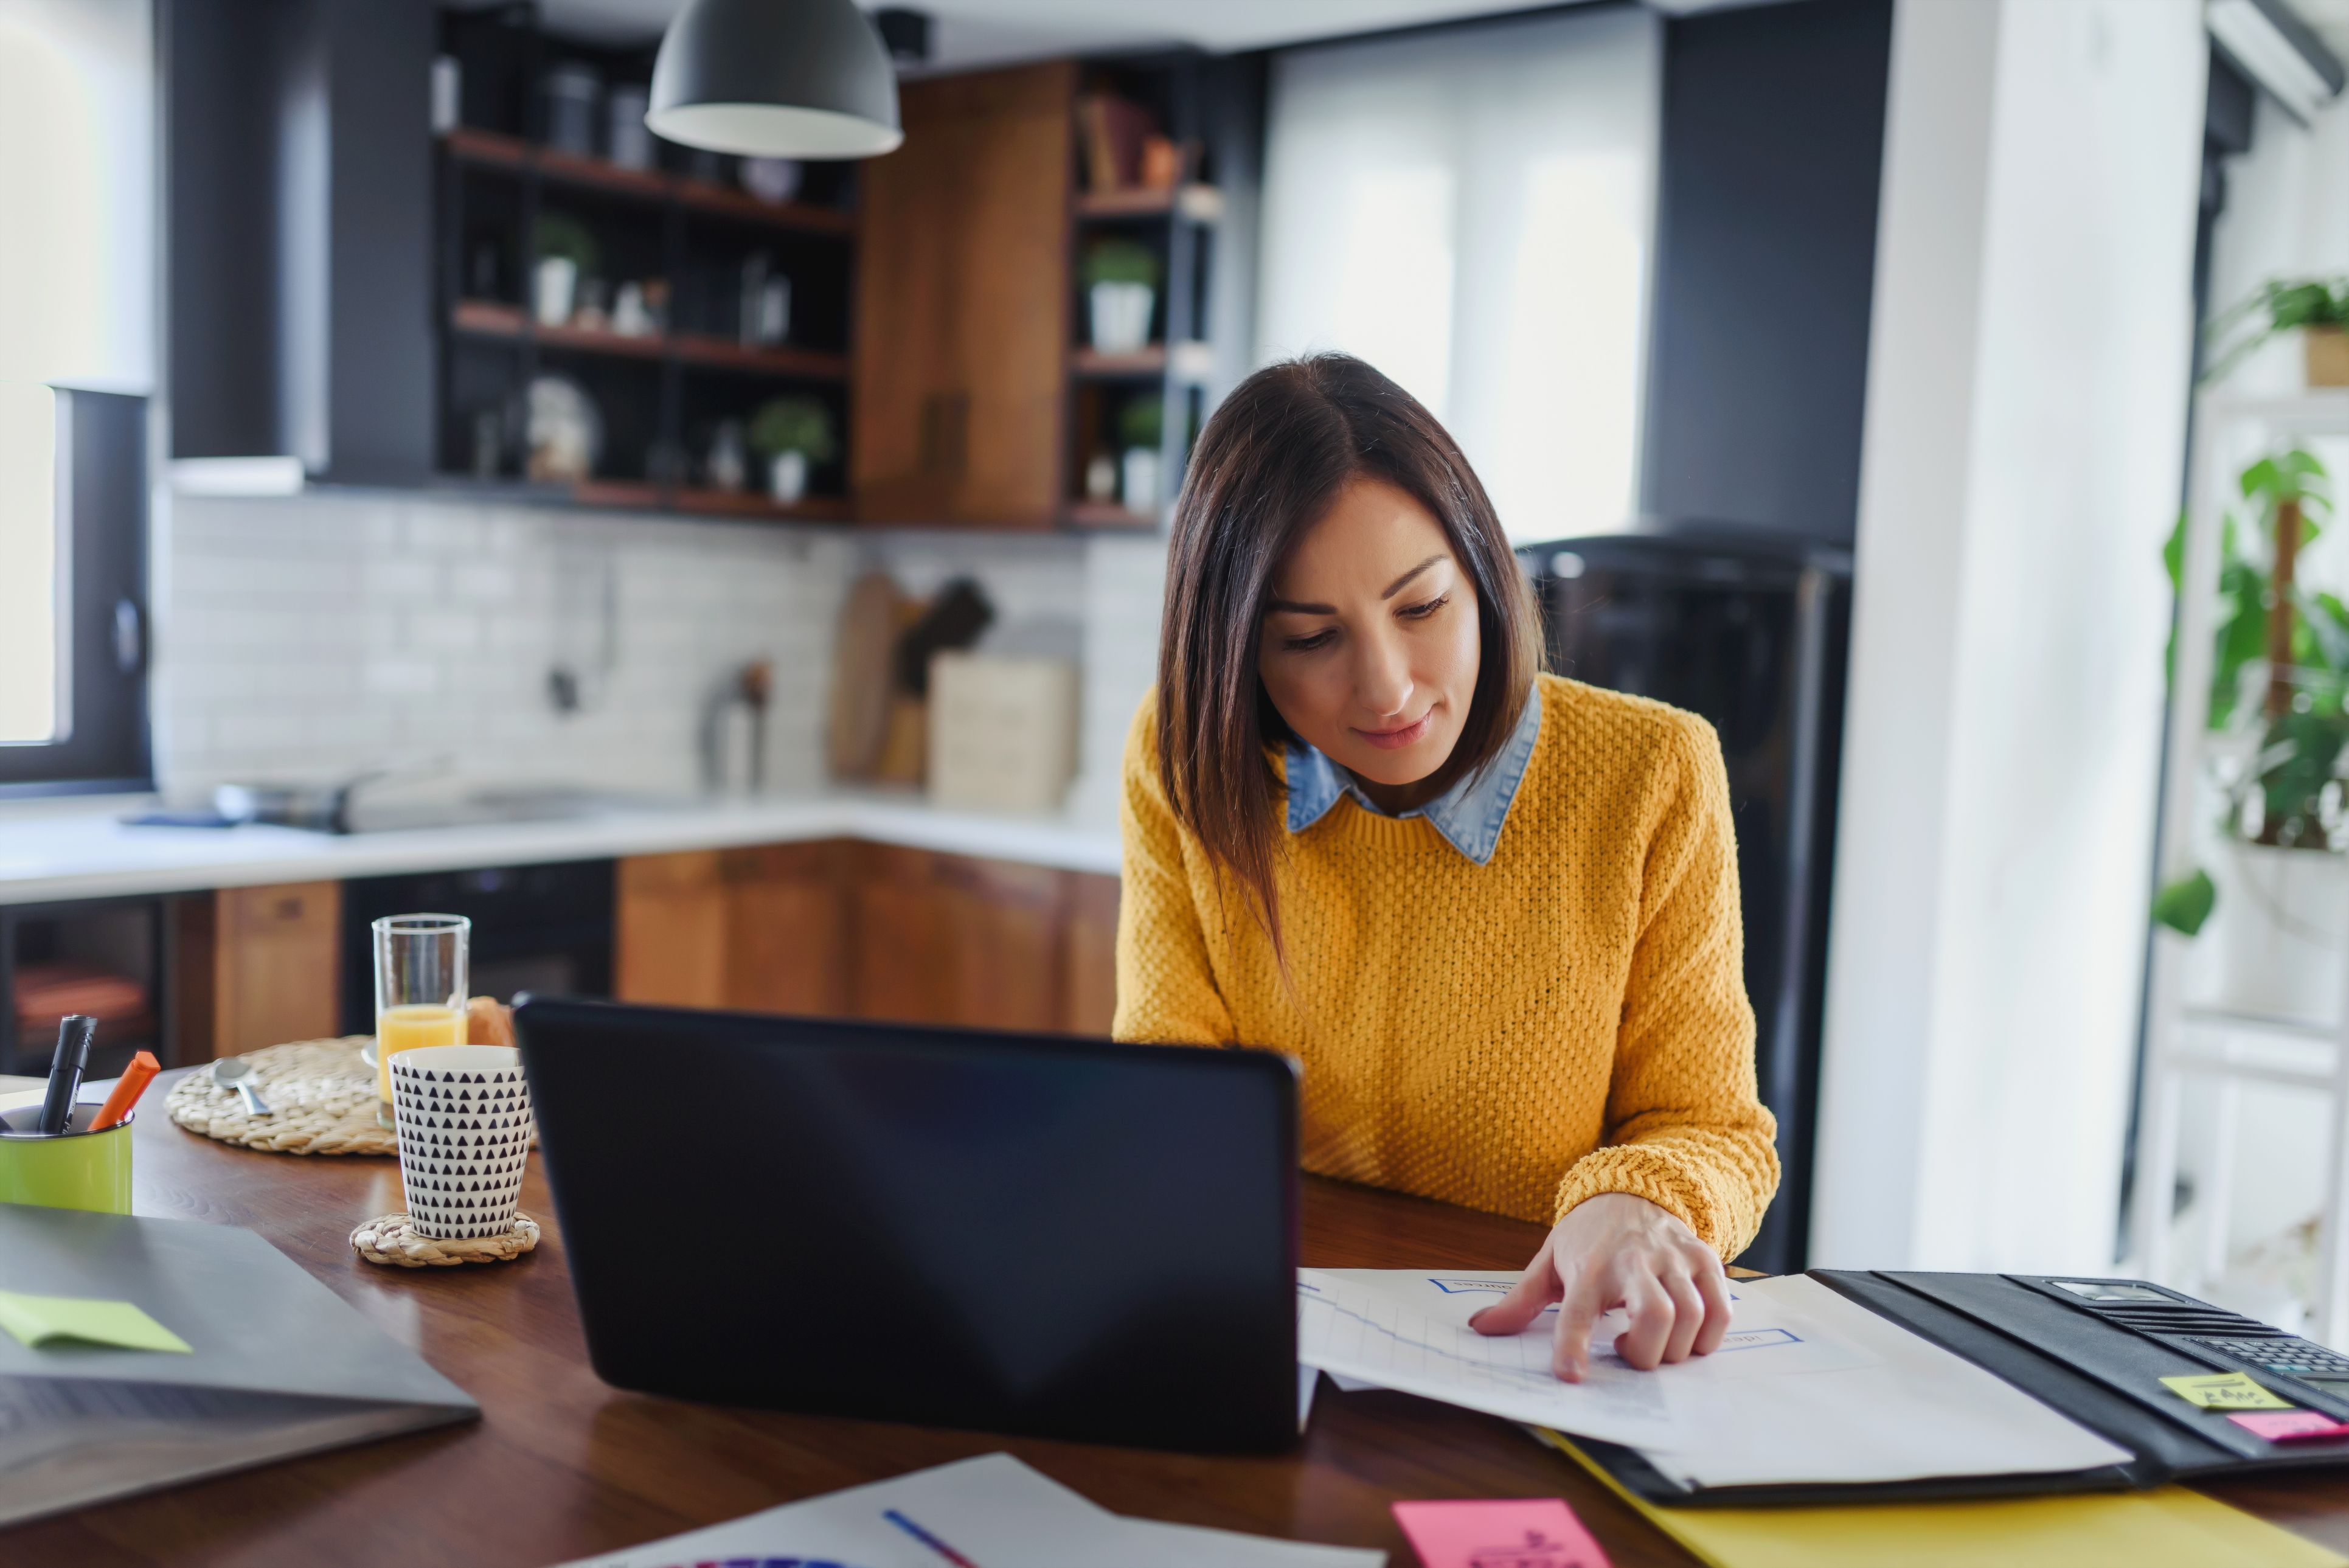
775	78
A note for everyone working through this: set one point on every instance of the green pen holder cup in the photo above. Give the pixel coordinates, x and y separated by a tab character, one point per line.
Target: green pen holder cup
78	1169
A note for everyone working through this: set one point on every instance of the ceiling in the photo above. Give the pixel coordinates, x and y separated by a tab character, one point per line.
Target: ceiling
970	33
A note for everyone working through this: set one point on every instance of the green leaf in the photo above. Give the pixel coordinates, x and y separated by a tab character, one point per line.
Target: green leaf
2185	903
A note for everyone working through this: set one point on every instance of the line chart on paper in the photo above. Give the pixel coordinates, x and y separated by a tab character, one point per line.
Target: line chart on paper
1359	1333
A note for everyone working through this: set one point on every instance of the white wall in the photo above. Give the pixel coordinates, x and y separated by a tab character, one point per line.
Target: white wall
2028	387
312	637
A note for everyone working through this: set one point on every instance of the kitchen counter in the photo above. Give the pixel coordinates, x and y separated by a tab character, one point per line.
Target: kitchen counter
55	853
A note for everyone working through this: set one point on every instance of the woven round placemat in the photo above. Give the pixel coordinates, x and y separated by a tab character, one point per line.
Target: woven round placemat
321	1094
393	1242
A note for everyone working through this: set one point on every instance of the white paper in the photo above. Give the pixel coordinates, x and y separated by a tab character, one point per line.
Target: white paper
1374	1329
1913	1410
993	1511
1809	1387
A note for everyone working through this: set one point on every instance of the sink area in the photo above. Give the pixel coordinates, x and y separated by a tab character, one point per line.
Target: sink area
370	812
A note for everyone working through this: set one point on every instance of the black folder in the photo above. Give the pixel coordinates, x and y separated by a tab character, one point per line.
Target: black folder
2092	1349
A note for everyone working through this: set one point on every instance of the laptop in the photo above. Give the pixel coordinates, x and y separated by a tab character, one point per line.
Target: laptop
1028	1233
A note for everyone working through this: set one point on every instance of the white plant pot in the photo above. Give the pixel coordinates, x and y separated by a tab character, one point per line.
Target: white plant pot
1121	315
2283	926
1138	492
787	476
556	282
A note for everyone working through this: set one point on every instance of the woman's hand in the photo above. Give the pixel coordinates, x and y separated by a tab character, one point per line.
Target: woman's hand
1616	1250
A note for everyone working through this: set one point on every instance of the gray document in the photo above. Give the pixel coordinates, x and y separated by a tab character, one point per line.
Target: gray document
280	1365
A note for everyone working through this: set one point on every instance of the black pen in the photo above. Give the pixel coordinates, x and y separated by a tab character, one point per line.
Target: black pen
74	1033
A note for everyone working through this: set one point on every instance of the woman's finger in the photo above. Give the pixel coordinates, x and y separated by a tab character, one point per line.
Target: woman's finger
1688	1313
1643	1344
1714	1287
1535	1289
1588	1296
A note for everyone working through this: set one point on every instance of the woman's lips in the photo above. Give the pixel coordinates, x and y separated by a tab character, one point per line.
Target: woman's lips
1396	739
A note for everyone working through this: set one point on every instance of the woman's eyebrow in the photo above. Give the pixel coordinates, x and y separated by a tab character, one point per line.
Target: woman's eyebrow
1396	586
1293	607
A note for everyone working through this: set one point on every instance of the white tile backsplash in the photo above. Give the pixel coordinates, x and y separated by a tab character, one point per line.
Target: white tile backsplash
313	637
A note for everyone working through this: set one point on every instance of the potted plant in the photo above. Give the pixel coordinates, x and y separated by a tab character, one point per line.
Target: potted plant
793	434
2316	307
2280	696
1139	427
1121	282
565	253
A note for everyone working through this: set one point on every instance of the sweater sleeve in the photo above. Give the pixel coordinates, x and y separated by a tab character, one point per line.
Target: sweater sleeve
1167	990
1685	1127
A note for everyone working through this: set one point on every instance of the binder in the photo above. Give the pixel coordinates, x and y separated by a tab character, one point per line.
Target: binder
278	1364
2093	1349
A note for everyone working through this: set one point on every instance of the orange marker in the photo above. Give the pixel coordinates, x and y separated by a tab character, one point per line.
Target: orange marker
127	1090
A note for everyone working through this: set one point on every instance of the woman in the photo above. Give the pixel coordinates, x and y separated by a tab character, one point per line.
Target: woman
1493	913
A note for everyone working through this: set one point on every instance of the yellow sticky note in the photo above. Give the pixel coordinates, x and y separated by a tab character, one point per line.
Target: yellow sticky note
38	1320
2224	1391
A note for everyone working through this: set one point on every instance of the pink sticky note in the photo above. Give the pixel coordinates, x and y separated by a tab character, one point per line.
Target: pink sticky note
2283	1426
1475	1533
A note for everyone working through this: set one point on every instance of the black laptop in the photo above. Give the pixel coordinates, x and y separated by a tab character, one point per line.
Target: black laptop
957	1227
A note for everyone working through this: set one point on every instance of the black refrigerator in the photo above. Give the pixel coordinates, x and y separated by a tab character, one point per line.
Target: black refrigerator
1749	627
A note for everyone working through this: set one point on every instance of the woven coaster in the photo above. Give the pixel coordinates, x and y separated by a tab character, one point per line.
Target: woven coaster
321	1094
393	1242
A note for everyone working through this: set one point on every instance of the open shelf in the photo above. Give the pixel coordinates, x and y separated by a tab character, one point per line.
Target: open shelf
1093	362
488	149
1106	514
491	318
1199	203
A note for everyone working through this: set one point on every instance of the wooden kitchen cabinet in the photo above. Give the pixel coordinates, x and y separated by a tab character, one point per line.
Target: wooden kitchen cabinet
761	929
947	939
870	931
962	311
258	966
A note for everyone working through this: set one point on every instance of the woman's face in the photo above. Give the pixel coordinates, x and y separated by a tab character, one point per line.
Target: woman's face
1369	647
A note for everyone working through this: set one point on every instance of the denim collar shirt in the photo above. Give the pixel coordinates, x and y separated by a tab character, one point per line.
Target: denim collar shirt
1469	815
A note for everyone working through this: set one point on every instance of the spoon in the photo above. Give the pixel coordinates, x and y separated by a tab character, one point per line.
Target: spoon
236	1073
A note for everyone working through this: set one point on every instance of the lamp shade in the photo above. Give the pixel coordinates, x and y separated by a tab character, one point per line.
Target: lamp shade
775	78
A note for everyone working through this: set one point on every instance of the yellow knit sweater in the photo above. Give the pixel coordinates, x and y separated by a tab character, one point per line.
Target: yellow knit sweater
1566	1020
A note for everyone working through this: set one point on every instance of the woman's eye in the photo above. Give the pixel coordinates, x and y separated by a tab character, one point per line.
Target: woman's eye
1307	645
1422	612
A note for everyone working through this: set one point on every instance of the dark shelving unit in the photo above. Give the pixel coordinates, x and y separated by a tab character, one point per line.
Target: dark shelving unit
1180	224
684	223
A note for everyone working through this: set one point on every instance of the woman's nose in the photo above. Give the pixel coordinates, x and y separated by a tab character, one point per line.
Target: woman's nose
1383	681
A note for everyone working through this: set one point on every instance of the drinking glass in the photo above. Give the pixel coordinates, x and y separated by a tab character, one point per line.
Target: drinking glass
420	987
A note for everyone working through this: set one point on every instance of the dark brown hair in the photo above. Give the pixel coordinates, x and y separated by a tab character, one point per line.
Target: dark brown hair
1268	465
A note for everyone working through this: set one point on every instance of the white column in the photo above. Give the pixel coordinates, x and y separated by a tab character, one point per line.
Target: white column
2027	392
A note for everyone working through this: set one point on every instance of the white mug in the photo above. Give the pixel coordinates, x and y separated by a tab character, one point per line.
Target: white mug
464	1118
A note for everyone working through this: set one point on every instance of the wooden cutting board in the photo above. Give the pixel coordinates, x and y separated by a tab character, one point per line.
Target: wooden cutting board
859	720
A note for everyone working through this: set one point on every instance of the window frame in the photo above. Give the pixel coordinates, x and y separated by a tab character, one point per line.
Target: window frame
102	492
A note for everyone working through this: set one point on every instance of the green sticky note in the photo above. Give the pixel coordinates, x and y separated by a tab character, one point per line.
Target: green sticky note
38	1320
2224	1391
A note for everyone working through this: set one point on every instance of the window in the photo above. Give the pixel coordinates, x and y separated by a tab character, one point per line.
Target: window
1470	211
33	696
77	96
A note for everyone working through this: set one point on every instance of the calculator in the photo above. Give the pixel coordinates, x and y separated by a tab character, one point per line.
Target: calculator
2300	1360
2295	1370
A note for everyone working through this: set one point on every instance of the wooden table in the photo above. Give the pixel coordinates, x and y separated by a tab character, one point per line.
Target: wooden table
563	1465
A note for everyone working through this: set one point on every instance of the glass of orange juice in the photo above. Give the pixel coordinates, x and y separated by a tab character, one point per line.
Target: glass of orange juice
420	987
